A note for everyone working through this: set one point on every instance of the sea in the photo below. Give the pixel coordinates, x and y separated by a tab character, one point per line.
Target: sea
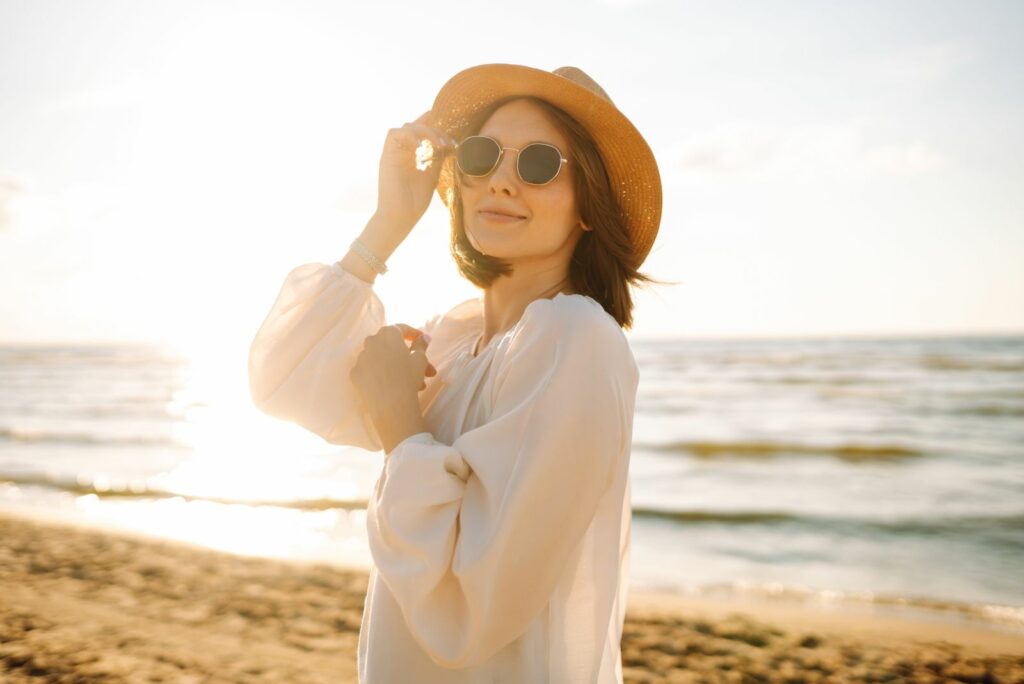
880	473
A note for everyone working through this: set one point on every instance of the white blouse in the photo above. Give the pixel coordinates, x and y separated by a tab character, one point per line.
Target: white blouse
500	538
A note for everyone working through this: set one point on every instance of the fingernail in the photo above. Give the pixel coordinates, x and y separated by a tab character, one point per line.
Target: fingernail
426	337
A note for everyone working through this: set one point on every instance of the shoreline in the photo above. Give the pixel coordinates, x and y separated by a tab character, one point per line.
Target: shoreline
869	624
90	604
1002	618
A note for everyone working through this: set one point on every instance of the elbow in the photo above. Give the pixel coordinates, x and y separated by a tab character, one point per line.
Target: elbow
256	365
258	391
266	372
259	398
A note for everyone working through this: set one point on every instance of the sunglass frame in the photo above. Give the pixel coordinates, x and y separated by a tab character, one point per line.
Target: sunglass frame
501	153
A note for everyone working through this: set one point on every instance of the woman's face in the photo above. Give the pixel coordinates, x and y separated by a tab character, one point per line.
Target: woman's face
550	220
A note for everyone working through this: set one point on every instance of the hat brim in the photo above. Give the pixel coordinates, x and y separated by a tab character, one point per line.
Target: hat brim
632	168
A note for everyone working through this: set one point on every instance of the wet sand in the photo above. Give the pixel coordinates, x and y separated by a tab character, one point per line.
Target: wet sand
83	605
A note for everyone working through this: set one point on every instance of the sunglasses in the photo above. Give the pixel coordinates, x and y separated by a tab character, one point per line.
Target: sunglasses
537	164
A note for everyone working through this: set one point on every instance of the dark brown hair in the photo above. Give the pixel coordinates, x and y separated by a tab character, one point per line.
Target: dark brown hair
604	262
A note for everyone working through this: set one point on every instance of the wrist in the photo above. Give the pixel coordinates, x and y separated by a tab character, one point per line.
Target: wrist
357	266
383	235
399	421
380	244
379	238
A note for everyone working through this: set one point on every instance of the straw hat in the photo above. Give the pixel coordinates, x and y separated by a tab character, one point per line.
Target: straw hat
631	166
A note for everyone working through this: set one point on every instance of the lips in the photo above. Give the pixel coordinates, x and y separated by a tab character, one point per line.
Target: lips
495	211
499	218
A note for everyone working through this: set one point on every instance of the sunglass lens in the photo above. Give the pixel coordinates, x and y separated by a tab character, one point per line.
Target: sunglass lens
477	155
539	164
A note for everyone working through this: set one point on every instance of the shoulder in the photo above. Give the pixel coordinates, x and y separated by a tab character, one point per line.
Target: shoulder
465	312
455	324
574	325
572	317
567	346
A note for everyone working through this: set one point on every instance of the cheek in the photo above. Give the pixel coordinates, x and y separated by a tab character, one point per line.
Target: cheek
470	192
559	207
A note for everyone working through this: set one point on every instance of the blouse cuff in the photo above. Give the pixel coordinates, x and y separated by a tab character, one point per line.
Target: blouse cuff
421	456
418	438
337	270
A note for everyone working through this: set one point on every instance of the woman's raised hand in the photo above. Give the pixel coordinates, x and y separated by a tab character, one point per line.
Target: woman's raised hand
403	190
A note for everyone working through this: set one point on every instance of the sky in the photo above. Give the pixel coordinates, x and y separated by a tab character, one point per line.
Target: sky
843	168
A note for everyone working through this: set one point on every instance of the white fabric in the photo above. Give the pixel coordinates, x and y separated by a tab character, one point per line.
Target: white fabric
500	538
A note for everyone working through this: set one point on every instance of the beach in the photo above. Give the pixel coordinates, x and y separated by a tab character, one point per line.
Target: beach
80	604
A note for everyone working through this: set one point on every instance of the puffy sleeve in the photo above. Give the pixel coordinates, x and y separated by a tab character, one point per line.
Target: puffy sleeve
300	358
472	537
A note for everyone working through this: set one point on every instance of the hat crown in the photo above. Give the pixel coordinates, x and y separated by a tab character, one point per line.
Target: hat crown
580	77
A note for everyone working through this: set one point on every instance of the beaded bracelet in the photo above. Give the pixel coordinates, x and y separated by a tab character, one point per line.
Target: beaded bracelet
368	256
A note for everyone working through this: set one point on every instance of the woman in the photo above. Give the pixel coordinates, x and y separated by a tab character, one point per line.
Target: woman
500	524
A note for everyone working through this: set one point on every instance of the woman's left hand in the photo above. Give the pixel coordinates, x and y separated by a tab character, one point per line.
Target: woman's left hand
388	374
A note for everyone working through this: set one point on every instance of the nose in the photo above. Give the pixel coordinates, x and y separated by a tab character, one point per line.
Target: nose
505	177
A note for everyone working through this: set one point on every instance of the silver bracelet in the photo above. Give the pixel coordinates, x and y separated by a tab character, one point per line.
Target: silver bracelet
368	256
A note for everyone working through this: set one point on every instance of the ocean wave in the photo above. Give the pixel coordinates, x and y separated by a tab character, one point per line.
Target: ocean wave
953	363
111	488
93	355
145	408
936	526
846	452
992	410
1013	522
33	436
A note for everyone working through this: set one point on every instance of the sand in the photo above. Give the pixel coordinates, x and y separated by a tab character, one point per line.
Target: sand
83	605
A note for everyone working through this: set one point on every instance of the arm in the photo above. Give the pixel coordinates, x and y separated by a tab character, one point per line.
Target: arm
300	358
473	537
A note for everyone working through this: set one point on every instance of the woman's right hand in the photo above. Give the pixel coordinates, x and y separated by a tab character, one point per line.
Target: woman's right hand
404	191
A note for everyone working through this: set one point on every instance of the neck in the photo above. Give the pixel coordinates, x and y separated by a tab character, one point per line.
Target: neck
506	299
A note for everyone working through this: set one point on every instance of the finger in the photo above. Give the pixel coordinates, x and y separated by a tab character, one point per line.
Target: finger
420	341
428	119
437	138
408	332
419	349
426	367
419	346
390	330
406	137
